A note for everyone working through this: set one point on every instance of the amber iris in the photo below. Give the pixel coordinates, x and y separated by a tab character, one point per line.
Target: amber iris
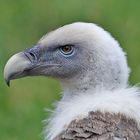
66	49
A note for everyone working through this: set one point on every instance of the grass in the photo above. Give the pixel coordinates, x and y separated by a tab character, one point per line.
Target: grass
22	23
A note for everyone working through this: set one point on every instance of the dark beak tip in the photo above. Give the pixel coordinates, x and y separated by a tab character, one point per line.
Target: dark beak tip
8	83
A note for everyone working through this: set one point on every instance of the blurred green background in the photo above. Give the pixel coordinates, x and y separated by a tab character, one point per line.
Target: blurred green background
23	22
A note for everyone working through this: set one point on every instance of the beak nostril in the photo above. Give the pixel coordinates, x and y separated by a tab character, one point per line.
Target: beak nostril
31	56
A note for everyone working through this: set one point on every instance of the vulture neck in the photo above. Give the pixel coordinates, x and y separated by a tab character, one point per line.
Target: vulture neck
73	89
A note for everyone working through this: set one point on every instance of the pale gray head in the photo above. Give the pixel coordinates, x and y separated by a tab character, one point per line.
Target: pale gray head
80	55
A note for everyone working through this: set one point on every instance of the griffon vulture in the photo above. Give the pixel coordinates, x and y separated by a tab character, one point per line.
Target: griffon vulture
97	102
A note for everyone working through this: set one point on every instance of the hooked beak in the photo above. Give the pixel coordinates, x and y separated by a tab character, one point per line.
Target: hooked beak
17	67
30	62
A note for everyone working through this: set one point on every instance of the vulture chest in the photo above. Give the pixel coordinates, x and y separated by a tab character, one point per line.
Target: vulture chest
101	126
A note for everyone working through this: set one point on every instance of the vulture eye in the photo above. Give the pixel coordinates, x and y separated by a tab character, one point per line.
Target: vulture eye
67	49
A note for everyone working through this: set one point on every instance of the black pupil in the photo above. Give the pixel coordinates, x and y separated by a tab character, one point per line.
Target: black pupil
66	48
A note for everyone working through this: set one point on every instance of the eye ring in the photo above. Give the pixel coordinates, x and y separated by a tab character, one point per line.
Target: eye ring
67	49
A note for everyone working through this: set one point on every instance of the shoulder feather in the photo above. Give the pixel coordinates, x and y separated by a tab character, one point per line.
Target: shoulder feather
101	126
125	101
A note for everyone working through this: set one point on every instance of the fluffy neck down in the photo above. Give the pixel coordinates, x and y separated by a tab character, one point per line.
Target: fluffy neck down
99	85
124	100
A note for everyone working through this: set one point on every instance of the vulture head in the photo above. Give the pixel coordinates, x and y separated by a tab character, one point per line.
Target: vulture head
93	71
80	55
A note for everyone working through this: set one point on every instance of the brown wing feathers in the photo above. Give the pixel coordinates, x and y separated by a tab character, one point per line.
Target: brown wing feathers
101	126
